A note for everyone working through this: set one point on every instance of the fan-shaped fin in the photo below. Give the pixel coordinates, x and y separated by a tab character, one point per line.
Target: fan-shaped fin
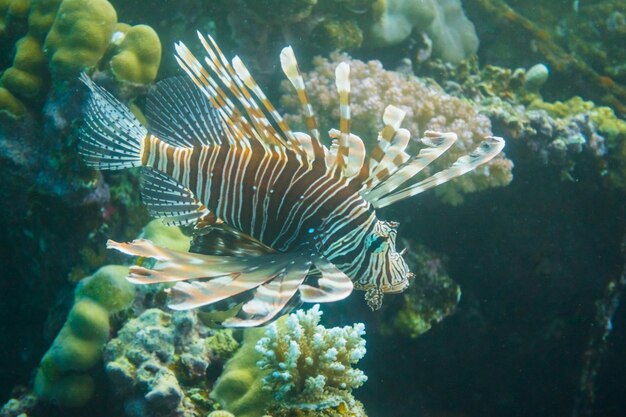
271	298
276	278
178	113
168	199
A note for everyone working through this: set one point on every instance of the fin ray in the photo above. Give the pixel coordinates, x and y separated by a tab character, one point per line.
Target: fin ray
485	152
181	115
168	199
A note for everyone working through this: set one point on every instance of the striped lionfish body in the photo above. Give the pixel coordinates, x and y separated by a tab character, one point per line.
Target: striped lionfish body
281	218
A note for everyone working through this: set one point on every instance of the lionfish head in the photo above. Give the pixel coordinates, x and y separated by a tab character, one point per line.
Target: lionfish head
387	271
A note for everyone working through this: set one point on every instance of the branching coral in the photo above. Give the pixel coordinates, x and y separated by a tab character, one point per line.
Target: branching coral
295	366
427	108
311	366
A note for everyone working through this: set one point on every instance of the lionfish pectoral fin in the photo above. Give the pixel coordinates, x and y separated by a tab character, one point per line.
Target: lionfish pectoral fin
272	279
333	285
271	298
274	297
179	114
111	137
169	200
224	240
173	266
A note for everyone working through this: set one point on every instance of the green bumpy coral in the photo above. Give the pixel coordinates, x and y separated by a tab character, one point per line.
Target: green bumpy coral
63	375
79	36
138	55
169	237
58	39
240	387
295	366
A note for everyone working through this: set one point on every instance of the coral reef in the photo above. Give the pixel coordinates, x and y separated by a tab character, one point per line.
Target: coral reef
431	297
443	21
553	132
60	39
582	47
294	365
427	108
158	362
348	25
63	376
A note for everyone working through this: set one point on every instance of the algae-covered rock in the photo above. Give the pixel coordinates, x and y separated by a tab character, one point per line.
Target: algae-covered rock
79	36
338	34
157	364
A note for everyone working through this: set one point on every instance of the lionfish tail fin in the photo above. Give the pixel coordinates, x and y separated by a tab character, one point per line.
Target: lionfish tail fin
111	136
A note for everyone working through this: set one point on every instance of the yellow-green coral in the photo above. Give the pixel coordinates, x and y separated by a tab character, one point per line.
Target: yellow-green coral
240	387
138	57
26	79
79	36
12	11
60	39
25	76
170	237
41	17
605	122
63	375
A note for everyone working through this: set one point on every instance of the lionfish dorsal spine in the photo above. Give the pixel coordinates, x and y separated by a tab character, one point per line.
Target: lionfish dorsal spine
289	65
486	151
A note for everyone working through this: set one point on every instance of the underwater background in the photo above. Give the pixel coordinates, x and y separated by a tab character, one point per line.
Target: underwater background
519	266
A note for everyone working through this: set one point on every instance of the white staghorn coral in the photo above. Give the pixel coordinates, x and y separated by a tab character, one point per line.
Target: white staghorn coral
310	365
427	107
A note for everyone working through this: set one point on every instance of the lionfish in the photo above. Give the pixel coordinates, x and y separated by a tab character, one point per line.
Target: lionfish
280	217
